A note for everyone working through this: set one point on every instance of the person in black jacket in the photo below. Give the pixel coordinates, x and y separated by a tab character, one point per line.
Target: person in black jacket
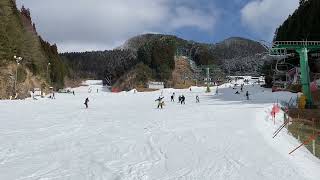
86	102
183	99
247	95
172	98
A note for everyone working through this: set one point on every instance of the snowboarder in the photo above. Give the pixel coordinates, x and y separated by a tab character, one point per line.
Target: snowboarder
86	102
247	95
197	99
160	102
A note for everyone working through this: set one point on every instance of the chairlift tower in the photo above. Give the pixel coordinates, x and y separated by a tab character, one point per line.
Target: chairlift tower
280	48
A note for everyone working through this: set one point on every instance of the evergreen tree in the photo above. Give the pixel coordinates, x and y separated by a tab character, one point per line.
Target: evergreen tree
303	24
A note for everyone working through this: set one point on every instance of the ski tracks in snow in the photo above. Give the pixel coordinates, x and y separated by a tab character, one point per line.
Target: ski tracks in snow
123	137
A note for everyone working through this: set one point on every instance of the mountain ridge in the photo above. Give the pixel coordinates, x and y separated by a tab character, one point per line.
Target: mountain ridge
149	48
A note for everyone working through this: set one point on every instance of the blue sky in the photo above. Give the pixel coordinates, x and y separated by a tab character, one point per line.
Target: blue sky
228	23
231	21
81	25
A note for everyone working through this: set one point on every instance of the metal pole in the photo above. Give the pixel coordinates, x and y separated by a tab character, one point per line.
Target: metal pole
314	147
18	59
15	80
48	76
305	75
208	76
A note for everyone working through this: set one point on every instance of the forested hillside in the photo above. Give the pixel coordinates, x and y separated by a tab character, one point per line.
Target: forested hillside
151	57
303	24
99	64
157	56
18	37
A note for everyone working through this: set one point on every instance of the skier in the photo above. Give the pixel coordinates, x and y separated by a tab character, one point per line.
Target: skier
217	90
160	102
197	99
33	94
237	92
247	95
172	98
97	90
241	87
86	102
53	96
180	98
73	93
183	99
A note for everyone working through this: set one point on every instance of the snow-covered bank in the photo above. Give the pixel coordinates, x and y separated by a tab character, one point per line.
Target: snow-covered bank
124	136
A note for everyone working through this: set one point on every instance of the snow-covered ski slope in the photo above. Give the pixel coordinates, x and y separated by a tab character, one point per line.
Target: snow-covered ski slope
124	137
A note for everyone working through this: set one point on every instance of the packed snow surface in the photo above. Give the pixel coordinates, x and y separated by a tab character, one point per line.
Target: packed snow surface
123	136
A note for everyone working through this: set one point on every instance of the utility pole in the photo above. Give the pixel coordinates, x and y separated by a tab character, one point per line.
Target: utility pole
18	59
208	77
48	75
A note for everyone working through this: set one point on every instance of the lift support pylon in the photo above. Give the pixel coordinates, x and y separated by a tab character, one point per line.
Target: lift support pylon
302	48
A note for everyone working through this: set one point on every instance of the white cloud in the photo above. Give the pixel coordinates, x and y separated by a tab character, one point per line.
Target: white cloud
185	17
264	16
101	24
